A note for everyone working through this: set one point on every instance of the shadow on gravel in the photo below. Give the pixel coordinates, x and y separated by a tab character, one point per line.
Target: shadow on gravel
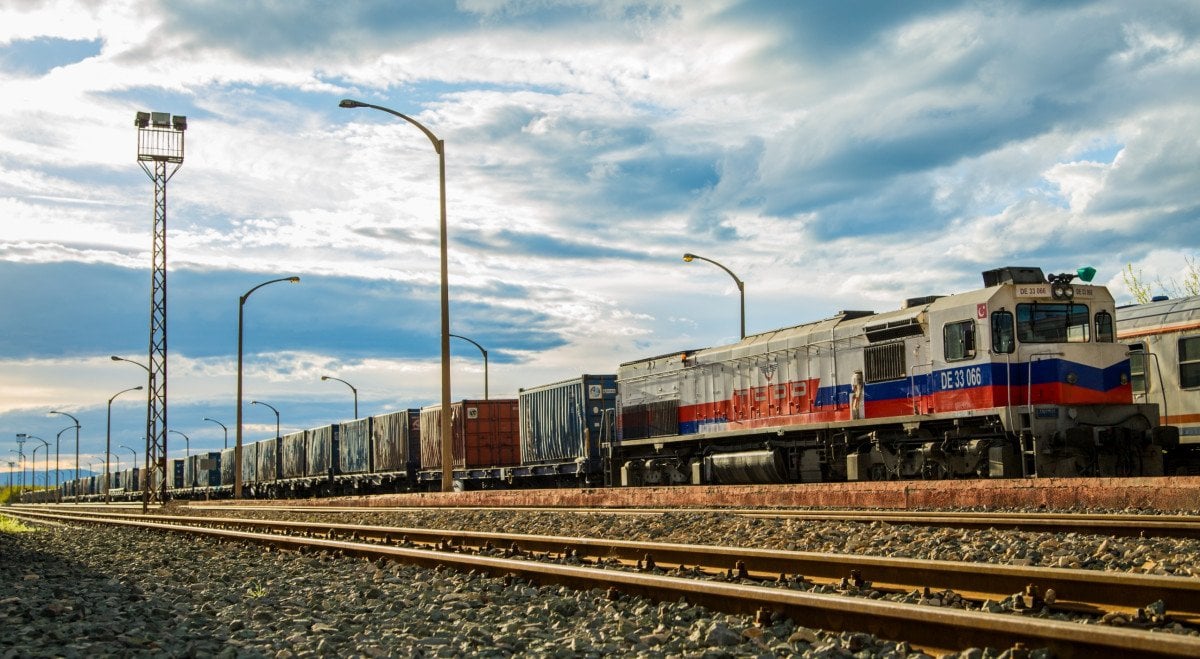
68	592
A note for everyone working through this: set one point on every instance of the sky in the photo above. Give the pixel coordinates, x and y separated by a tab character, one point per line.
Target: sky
834	155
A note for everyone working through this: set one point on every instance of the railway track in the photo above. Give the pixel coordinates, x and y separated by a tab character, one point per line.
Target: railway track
749	581
1114	524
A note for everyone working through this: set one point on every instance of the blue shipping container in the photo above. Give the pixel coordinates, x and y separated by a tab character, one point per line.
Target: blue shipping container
566	421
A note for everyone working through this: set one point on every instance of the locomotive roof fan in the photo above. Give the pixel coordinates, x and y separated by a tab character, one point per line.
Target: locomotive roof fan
1060	285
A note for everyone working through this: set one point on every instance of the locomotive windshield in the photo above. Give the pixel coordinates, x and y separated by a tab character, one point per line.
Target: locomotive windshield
1053	323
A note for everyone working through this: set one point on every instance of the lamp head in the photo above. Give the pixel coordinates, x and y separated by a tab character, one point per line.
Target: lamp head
687	258
348	103
142	119
115	358
21	435
294	280
324	377
138	388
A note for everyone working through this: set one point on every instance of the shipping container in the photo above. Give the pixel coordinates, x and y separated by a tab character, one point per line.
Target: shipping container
130	479
267	467
354	446
204	469
485	434
396	441
566	421
227	466
293	454
177	479
249	463
322	451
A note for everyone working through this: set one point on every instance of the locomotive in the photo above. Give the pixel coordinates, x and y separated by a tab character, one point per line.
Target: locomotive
1022	378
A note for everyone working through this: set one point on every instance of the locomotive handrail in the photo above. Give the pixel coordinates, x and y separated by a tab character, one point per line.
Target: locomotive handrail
1161	388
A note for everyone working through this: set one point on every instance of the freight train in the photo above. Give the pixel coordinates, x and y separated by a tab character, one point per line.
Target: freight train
1025	377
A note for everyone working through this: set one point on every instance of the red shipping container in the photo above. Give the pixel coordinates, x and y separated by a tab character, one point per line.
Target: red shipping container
486	434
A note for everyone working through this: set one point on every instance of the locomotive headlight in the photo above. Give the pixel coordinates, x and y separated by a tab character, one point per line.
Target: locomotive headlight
1124	378
1072	378
1072	413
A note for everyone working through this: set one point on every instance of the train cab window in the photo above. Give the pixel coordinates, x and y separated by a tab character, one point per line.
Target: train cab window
1137	367
1104	327
1055	322
1189	362
1003	339
959	340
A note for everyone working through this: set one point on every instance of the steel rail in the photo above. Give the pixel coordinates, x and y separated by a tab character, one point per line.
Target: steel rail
1087	591
927	627
1117	524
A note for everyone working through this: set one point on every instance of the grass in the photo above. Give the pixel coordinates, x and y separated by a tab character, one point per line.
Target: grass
10	525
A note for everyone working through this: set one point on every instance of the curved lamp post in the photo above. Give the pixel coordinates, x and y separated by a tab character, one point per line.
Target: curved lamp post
76	442
740	284
485	362
57	466
237	447
440	147
20	468
222	428
187	453
355	391
149	398
259	402
108	437
134	463
33	463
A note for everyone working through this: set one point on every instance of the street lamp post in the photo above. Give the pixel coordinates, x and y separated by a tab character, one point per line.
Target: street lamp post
440	147
21	457
187	444
147	482
76	440
259	402
33	464
187	455
134	463
57	466
20	464
330	377
237	447
740	285
222	428
485	362
108	437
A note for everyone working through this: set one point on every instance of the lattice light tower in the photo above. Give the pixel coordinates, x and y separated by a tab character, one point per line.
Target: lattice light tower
160	146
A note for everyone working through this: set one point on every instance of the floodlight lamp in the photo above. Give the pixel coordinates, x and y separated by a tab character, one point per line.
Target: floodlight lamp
21	435
1086	273
179	123
688	257
160	119
142	120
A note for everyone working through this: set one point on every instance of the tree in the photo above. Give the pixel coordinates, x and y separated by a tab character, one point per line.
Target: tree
1142	292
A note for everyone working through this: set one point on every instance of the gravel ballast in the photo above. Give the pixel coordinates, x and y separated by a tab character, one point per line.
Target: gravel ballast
85	591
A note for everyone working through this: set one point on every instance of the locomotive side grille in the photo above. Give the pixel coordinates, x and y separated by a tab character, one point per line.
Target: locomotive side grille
650	420
884	362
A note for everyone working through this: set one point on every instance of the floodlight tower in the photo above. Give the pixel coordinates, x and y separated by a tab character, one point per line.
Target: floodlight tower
160	141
